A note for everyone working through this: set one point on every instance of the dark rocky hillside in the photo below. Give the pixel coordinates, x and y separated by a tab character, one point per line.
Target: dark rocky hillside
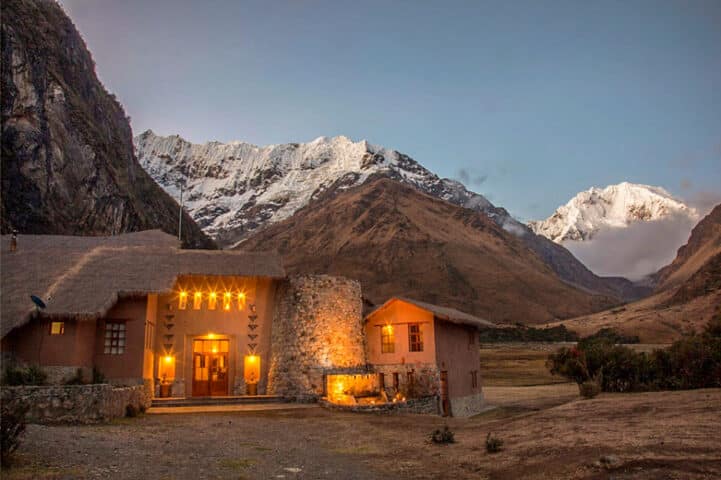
68	165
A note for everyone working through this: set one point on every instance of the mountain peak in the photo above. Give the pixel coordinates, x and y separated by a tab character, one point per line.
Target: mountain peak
614	206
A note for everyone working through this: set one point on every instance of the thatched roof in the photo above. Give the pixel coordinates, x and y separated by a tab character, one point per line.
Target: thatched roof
442	313
84	276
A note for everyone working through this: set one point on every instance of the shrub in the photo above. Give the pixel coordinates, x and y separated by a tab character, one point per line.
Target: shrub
32	375
522	333
493	443
12	420
131	410
444	436
98	376
589	388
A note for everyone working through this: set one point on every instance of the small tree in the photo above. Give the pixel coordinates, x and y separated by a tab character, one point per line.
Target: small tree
12	427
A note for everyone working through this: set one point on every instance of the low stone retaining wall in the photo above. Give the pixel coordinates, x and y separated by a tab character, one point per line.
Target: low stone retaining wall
422	405
75	403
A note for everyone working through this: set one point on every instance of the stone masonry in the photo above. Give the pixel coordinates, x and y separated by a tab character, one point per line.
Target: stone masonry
317	330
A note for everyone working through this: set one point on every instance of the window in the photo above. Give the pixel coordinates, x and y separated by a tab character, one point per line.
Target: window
114	338
415	338
388	341
409	377
474	379
57	328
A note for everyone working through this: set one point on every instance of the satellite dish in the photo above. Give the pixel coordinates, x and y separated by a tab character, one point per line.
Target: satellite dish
36	300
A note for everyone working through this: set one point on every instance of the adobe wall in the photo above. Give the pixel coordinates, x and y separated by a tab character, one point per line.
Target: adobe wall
317	329
75	403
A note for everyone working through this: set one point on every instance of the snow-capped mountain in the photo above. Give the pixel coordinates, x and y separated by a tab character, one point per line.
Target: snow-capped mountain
616	206
232	189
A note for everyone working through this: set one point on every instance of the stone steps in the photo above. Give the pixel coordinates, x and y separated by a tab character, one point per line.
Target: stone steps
203	401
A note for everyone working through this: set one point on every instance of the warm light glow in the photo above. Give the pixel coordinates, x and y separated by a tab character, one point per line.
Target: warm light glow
215	350
212	299
211	336
227	300
241	300
168	359
183	300
388	329
197	300
251	370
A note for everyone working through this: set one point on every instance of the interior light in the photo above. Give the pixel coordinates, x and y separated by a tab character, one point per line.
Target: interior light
197	300
212	299
168	359
182	300
227	300
241	300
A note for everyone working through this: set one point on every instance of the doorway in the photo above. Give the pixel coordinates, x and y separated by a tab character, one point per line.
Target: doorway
210	367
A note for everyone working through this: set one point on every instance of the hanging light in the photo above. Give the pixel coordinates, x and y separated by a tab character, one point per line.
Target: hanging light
182	300
197	300
212	299
227	300
241	300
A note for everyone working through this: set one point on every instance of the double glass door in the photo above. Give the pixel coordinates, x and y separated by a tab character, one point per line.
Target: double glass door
210	368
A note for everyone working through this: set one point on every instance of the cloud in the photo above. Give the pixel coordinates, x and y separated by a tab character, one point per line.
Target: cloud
703	200
635	251
470	177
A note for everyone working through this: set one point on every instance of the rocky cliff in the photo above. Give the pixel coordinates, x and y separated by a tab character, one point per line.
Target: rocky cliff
68	165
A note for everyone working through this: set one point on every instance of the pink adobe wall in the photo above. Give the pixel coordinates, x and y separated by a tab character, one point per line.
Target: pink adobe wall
458	353
33	343
128	365
399	314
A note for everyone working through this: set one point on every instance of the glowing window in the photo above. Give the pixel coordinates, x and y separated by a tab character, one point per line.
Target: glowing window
57	328
197	300
212	300
388	341
415	338
114	338
241	300
183	300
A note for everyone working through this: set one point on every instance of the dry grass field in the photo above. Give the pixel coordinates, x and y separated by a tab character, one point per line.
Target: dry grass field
517	364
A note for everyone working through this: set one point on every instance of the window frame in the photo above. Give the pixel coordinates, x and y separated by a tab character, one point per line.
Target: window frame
115	332
415	339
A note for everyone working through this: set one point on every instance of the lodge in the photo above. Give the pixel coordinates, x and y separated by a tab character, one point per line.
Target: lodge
139	310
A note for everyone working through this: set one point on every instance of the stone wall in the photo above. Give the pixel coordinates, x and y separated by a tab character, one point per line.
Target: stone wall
75	403
317	329
468	405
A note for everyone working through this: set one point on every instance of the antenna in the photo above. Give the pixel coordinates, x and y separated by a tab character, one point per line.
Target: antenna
180	213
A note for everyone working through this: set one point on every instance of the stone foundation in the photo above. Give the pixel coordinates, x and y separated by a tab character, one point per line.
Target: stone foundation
75	403
317	329
468	406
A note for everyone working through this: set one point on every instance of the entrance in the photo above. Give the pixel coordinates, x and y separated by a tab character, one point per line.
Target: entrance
210	368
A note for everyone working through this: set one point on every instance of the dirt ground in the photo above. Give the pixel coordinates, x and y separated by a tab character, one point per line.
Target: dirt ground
547	432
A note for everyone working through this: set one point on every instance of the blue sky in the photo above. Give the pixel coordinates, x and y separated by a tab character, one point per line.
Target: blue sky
529	102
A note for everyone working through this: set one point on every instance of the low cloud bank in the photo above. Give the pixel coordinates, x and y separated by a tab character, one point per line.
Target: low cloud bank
635	251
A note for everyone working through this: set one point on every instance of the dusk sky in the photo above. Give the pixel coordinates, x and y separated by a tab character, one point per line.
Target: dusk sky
527	102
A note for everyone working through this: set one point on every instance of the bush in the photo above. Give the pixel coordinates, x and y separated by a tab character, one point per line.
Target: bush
493	443
522	333
131	410
692	362
444	436
32	375
12	426
98	376
589	388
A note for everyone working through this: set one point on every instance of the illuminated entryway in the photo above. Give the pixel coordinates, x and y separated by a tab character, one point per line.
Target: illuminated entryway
210	367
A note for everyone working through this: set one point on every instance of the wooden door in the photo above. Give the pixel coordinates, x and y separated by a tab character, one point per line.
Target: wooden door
210	368
445	401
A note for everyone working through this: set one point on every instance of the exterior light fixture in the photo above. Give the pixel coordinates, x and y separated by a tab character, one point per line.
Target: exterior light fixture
227	300
168	359
212	299
183	300
241	300
197	300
